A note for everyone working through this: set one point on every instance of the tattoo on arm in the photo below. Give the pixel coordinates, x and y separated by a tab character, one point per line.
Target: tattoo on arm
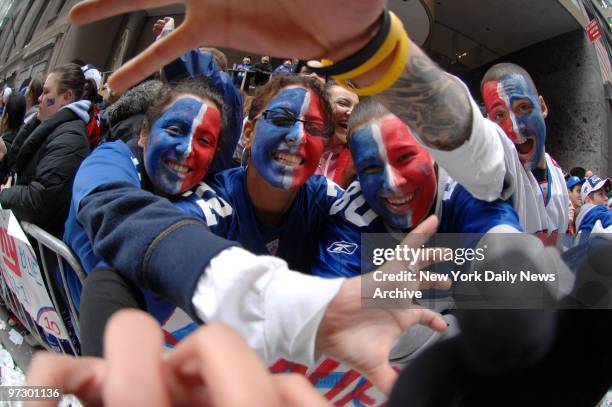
433	104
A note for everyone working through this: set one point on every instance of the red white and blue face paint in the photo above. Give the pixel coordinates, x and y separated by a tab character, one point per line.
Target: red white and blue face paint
397	174
515	107
181	144
287	155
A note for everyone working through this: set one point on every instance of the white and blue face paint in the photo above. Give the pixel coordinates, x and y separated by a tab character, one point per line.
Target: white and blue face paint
515	106
285	150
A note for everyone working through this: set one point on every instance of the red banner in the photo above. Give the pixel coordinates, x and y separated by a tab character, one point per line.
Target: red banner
593	31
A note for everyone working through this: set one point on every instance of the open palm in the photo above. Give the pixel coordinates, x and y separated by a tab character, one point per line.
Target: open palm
362	337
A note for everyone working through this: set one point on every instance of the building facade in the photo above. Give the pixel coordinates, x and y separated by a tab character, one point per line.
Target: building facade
31	38
35	35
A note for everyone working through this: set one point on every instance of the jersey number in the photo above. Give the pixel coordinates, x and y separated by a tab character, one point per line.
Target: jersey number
351	207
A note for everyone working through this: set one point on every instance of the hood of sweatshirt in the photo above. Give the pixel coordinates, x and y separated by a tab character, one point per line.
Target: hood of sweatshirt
80	108
135	101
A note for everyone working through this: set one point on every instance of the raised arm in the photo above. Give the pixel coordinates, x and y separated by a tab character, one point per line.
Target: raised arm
195	63
433	103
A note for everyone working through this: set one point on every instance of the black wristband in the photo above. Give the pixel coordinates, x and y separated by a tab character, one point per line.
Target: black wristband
361	56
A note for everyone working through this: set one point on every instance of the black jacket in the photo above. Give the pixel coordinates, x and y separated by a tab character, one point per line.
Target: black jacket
7	166
262	73
8	137
46	164
127	128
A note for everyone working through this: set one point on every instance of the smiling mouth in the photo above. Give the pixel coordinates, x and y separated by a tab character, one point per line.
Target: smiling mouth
399	203
288	160
179	168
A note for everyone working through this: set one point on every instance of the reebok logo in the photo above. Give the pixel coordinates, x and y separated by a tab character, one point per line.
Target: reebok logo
342	247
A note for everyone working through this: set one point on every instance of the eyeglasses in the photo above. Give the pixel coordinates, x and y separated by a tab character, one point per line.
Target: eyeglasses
285	118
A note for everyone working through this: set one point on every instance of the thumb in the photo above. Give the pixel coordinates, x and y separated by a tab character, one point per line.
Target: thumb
419	315
383	377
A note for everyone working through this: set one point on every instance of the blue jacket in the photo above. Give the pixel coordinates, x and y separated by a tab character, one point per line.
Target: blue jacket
461	213
588	216
138	233
223	203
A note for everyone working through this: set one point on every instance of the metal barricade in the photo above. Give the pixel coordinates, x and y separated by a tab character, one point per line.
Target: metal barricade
40	266
62	254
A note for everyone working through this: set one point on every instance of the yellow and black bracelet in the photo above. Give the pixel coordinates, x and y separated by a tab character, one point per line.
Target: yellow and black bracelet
391	39
391	75
388	46
361	56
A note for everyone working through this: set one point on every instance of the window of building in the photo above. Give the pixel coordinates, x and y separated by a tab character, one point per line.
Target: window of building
120	51
6	7
54	13
35	22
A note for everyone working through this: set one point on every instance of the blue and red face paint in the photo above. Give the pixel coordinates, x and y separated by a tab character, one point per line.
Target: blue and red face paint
515	106
286	156
181	144
397	175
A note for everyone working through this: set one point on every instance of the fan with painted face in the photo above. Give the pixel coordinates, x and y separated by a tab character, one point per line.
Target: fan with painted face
182	127
396	174
181	143
276	205
289	138
512	101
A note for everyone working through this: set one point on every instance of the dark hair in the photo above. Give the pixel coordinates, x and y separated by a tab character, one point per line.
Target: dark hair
15	109
578	172
265	93
498	71
298	66
167	92
71	78
330	83
90	90
35	89
78	62
366	110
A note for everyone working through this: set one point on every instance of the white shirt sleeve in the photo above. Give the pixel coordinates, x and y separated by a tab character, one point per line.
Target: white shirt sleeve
479	164
276	310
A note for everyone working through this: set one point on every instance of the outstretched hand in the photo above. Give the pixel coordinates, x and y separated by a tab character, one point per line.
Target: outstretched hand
362	337
212	367
310	29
